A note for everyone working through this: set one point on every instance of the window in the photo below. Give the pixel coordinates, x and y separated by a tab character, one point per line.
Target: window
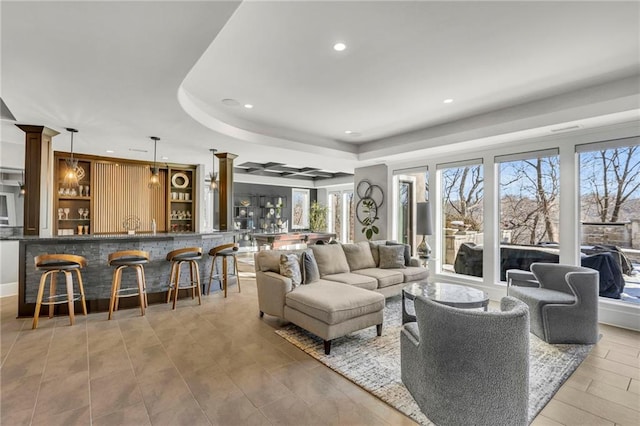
411	188
610	210
529	209
462	217
341	215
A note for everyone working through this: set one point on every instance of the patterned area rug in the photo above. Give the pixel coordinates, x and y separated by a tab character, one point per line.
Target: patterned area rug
374	362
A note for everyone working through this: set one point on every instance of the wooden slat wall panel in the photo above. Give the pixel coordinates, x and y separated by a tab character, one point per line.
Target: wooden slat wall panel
121	192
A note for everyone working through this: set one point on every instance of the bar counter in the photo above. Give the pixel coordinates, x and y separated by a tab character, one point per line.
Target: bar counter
97	275
279	240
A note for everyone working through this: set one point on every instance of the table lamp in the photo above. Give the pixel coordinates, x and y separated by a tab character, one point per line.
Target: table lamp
423	227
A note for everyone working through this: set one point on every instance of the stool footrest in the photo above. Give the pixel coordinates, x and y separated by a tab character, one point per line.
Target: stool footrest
60	298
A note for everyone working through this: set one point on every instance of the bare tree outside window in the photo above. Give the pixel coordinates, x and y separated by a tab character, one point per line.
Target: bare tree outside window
529	211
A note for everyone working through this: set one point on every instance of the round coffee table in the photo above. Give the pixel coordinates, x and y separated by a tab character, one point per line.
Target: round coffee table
456	295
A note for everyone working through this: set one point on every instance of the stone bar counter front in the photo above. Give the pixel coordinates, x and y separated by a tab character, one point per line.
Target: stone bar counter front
98	274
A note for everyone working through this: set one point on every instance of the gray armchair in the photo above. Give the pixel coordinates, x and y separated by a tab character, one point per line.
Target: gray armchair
562	300
466	367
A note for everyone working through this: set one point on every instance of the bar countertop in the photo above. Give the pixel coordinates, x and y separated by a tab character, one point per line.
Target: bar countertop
128	237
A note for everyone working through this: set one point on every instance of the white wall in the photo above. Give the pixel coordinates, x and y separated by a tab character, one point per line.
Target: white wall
376	175
8	268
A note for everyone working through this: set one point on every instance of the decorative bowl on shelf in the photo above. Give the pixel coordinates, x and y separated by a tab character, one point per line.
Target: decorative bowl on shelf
245	203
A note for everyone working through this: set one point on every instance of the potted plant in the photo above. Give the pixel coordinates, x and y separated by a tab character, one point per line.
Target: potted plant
318	217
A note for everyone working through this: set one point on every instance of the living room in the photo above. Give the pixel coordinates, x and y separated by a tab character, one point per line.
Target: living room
464	84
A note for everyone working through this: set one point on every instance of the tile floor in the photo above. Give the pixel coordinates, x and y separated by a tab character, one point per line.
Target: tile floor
220	364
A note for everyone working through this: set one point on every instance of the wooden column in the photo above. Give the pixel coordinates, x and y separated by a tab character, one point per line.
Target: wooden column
225	160
38	153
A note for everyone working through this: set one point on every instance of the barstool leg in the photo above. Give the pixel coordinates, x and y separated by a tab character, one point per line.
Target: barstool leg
52	292
197	270
171	273
176	283
225	275
141	292
213	264
191	281
69	278
114	290
235	266
81	286
118	285
144	286
36	314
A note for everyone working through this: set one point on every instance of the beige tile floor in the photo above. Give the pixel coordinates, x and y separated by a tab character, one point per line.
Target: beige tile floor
220	364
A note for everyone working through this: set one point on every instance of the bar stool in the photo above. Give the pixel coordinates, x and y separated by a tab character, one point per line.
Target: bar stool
128	259
52	264
190	255
225	251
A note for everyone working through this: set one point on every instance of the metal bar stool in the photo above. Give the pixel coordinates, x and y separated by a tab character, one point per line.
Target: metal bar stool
190	255
128	259
225	251
52	264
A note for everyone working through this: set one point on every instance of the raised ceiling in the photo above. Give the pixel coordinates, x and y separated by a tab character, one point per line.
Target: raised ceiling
122	71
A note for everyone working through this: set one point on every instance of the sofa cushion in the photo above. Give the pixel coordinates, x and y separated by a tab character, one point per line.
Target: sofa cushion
406	252
413	273
374	253
310	272
334	303
385	277
290	268
330	259
359	256
391	256
356	280
269	260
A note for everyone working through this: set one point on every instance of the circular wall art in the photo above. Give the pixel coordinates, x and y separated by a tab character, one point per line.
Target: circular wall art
366	189
180	180
366	208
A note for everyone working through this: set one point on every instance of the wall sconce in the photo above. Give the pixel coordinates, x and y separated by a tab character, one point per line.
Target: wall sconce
213	176
21	184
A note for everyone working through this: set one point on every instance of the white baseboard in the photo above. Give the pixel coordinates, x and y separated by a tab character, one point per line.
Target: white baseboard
8	289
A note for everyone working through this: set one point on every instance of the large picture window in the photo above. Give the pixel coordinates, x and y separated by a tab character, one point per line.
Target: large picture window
610	213
529	209
462	216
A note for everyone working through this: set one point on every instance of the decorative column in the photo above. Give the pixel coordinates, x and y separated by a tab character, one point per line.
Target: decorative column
37	164
225	190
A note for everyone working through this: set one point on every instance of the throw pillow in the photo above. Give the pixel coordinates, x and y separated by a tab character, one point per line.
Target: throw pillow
359	256
310	272
407	251
391	257
290	268
373	245
330	259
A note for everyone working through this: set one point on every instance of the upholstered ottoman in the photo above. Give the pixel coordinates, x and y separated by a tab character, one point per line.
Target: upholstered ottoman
331	310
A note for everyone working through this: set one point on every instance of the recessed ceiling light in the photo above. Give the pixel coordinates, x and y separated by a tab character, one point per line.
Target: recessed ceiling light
248	106
448	101
110	151
339	47
230	102
352	133
348	132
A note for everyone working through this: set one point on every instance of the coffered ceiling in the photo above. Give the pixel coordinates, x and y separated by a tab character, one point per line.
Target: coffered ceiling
123	71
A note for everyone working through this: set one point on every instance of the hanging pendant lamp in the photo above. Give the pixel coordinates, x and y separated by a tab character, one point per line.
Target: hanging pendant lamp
154	181
71	174
213	176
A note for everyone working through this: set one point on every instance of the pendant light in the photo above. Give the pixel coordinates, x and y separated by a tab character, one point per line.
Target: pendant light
213	176
71	174
154	182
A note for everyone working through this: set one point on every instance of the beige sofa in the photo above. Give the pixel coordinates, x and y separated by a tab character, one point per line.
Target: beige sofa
348	294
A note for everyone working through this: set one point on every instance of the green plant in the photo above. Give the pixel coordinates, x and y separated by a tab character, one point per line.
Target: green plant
318	217
370	210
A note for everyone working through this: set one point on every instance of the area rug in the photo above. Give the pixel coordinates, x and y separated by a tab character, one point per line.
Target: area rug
374	362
